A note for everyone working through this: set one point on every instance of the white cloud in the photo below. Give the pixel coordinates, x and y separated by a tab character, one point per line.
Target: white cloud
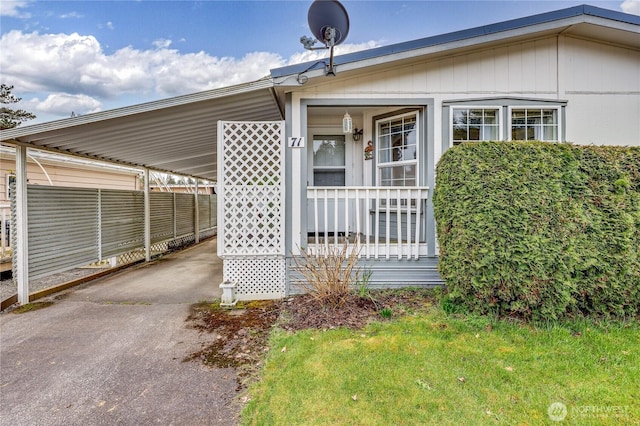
76	64
162	43
631	6
74	15
71	72
55	62
64	104
13	8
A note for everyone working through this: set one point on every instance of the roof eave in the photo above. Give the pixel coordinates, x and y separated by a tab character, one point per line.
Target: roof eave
558	20
15	133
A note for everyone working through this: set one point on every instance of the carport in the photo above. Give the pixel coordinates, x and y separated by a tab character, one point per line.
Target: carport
176	135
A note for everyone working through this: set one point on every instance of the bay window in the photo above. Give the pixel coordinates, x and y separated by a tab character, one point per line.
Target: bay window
504	119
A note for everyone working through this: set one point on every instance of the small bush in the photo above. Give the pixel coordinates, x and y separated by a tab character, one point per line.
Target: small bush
331	274
540	230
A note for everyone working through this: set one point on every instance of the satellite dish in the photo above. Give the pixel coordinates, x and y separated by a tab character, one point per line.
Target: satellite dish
328	21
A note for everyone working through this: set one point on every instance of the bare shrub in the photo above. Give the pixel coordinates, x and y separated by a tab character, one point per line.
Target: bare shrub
330	274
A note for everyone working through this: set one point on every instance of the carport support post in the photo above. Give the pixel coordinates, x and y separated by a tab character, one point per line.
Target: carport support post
22	229
197	214
147	217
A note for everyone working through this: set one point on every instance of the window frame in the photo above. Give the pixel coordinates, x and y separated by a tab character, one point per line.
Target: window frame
500	126
557	108
390	164
330	168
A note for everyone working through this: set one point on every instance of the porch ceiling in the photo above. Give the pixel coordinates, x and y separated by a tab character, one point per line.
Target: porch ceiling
177	135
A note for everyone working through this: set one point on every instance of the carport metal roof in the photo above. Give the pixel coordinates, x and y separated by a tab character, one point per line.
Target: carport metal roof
176	135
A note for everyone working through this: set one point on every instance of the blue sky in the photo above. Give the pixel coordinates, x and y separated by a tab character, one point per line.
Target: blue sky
88	56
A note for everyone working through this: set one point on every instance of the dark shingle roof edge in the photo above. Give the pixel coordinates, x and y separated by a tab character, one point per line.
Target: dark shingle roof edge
465	34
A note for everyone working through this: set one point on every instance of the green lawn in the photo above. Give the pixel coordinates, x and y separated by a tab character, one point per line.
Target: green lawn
433	368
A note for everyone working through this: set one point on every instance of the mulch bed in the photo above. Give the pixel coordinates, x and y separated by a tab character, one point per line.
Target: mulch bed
304	312
239	336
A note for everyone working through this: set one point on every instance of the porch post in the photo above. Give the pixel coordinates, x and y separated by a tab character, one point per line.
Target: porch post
22	228
197	215
430	113
147	217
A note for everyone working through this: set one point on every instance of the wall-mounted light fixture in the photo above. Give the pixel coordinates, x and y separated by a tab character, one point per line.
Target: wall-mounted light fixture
357	133
347	123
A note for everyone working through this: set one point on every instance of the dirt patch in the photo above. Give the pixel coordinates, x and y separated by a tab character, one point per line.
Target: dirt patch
239	336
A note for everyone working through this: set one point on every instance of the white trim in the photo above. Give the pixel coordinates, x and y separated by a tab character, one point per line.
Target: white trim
219	191
147	217
389	164
22	226
196	206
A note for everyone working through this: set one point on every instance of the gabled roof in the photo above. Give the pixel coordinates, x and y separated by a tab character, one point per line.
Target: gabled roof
176	135
564	20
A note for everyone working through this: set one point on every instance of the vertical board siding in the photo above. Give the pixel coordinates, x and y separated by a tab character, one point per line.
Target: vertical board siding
603	91
520	68
595	67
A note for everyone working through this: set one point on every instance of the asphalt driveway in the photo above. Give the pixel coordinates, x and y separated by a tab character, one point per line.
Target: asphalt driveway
111	352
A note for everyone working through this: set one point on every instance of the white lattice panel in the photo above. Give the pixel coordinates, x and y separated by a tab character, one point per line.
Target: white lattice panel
252	152
255	228
251	188
256	277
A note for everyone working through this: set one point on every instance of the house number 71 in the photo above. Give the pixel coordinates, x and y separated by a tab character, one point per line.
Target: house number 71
296	142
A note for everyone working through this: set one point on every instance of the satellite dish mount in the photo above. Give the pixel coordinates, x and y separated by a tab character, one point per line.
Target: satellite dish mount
329	23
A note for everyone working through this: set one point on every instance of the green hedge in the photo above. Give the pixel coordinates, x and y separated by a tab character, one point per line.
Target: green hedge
540	230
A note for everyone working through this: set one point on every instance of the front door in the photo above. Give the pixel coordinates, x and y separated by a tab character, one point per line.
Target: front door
331	160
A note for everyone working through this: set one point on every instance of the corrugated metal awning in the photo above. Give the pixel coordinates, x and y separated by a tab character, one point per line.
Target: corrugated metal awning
176	135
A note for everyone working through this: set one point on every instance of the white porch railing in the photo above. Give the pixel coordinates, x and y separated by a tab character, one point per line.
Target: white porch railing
385	221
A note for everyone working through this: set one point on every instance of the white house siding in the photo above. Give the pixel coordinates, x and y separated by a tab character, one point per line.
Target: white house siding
602	86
